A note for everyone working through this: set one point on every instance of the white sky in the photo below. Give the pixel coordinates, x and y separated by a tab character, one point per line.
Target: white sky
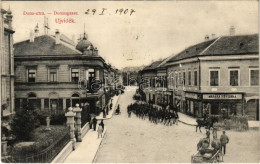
162	27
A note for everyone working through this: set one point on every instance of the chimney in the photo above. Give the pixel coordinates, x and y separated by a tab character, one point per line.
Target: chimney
36	30
57	36
232	31
213	36
206	38
31	36
9	18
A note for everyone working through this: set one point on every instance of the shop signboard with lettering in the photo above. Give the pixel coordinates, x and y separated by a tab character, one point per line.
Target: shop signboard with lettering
191	95
222	96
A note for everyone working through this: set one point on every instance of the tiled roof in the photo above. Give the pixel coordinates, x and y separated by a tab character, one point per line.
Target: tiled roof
240	44
226	45
192	51
44	45
152	66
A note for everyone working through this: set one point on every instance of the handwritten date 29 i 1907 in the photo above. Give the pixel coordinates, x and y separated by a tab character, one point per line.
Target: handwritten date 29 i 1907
104	11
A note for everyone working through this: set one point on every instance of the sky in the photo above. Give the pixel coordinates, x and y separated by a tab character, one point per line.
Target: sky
157	29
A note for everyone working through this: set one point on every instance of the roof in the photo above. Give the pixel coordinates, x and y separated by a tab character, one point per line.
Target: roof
225	45
240	44
152	66
44	45
192	51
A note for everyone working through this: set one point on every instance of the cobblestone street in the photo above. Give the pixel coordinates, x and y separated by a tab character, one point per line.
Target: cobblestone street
136	140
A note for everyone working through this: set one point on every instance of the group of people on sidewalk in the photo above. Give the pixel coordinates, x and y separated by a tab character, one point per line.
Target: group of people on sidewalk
166	115
101	126
107	108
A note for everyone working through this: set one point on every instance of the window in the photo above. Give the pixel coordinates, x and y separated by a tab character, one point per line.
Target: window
254	77
53	75
31	75
46	103
183	82
214	78
189	78
195	78
179	78
74	75
233	78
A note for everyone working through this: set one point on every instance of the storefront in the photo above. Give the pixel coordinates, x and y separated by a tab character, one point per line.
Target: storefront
179	101
232	103
194	104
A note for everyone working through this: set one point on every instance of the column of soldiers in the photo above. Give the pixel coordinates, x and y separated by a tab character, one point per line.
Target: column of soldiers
166	115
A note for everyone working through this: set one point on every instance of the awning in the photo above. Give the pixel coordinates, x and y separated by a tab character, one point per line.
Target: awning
251	98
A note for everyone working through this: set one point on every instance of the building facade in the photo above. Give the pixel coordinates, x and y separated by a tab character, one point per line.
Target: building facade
54	74
221	73
7	63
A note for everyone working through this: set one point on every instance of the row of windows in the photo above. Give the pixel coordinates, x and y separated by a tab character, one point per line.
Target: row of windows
234	77
179	78
90	74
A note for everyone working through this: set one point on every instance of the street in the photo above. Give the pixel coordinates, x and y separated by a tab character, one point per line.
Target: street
136	140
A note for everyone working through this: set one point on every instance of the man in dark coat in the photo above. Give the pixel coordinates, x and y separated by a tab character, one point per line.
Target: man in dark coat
223	141
107	110
102	124
94	123
111	105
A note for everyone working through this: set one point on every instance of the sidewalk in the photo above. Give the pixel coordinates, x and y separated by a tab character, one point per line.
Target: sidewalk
87	149
253	124
110	113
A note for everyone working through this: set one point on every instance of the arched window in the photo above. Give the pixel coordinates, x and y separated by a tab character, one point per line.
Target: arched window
75	95
32	95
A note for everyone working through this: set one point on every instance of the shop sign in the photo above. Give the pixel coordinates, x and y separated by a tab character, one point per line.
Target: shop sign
223	96
191	95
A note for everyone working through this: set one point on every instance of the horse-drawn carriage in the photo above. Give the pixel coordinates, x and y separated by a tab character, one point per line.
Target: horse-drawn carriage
207	158
206	154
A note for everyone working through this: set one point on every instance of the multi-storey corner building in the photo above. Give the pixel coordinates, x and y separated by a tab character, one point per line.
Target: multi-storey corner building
220	73
54	74
7	63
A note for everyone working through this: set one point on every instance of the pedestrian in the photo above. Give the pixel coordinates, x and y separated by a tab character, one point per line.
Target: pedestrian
107	110
224	141
104	113
102	124
129	113
100	131
94	123
111	105
90	123
176	117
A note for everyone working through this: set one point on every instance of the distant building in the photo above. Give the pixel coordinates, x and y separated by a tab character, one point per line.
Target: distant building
154	83
53	74
7	63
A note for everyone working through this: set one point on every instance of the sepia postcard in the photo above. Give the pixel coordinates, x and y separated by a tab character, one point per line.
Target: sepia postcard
129	81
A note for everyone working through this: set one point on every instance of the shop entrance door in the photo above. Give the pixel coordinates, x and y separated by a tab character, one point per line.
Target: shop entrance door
214	108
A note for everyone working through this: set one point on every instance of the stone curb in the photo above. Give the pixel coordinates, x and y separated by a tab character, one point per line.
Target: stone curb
111	111
99	146
187	123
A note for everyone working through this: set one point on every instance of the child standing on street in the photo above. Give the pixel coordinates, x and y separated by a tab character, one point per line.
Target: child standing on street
100	131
